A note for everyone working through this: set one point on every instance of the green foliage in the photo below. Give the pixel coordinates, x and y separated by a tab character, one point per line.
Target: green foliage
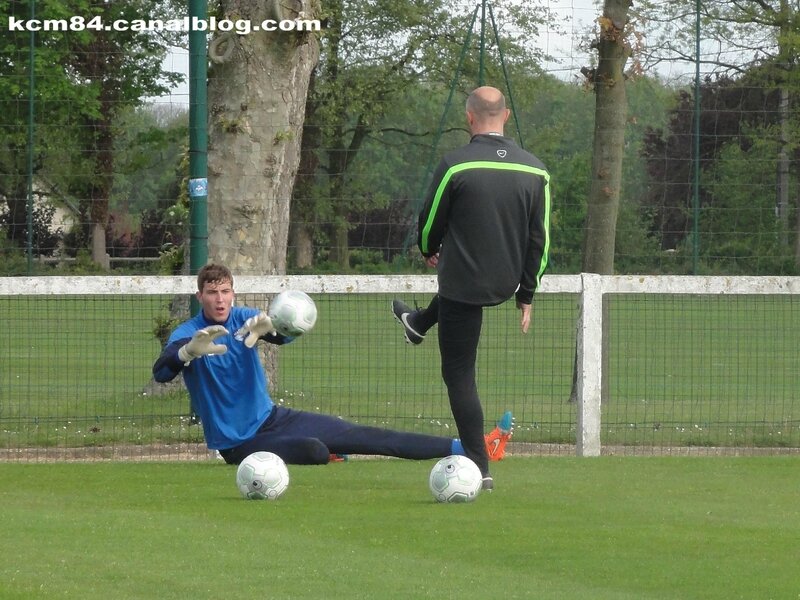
56	94
14	261
84	265
163	326
83	80
741	234
148	149
171	260
739	230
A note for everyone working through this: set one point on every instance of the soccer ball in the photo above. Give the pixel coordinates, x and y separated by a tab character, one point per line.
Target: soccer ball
262	476
293	313
455	479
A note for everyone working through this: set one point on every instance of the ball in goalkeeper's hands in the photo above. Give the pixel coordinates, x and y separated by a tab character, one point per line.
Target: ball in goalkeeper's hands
293	313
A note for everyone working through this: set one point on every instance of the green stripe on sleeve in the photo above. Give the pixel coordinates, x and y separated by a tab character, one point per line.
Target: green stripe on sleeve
546	249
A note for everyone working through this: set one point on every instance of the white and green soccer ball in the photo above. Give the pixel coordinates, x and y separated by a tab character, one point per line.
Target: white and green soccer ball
455	479
293	313
262	476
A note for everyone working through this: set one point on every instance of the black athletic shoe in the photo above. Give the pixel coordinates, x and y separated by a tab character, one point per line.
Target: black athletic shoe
487	484
401	311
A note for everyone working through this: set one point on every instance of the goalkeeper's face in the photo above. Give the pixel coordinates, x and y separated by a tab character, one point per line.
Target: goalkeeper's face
216	298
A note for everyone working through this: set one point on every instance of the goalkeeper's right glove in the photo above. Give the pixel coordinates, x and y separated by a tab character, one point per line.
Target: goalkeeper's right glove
202	343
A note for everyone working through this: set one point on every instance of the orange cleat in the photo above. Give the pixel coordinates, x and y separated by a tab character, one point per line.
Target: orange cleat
498	438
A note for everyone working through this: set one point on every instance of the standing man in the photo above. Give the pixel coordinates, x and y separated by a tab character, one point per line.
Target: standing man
485	228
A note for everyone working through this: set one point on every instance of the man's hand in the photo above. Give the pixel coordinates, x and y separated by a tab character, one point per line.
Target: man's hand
254	328
202	343
432	261
526	309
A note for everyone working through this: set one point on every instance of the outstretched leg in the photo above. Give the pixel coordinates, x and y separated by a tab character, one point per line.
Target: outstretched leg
301	437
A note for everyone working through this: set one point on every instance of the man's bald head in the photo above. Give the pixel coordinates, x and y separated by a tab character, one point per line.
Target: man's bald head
486	110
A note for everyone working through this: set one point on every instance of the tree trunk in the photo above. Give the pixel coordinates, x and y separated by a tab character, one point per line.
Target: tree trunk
340	247
256	96
303	243
303	201
98	63
100	186
99	254
609	139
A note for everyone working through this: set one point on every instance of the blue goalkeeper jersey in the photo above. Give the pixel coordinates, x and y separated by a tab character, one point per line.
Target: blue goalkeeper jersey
228	391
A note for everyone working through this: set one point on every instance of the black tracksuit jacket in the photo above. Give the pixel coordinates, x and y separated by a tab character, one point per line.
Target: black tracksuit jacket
487	213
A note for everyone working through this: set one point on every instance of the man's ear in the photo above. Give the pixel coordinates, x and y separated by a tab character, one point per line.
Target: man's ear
508	114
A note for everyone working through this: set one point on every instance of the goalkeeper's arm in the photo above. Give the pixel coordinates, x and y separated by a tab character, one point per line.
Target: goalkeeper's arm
168	365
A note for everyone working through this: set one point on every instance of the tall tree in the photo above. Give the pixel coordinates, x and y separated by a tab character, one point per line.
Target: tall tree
608	81
257	92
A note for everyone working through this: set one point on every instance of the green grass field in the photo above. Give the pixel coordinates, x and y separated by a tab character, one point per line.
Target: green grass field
688	370
555	528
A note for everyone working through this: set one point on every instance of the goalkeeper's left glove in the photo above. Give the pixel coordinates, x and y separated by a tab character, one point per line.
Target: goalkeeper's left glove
254	328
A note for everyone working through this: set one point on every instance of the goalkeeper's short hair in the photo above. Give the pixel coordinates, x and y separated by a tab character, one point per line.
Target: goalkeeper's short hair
213	273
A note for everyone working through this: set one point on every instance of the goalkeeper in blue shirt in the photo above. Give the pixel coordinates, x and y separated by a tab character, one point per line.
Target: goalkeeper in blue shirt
228	390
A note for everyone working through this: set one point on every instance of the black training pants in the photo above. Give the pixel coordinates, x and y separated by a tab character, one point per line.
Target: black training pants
459	334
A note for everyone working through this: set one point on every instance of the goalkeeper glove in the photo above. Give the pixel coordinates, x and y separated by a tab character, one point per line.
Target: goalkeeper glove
202	343
254	328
